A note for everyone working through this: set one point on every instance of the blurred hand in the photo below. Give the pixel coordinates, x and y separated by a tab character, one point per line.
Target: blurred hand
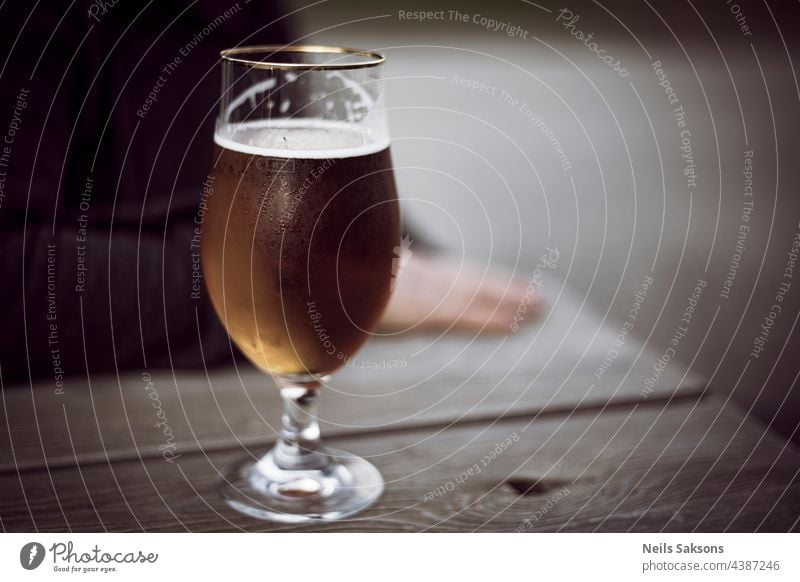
439	292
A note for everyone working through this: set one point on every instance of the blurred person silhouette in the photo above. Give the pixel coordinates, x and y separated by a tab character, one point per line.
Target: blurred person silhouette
108	111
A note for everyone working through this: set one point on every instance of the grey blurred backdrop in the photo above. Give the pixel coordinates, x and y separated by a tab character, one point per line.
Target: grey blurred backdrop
557	148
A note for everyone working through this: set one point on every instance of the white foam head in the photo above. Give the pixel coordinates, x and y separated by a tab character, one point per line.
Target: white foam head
299	138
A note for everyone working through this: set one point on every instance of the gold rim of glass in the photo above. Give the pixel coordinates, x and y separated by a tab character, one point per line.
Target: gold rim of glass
368	58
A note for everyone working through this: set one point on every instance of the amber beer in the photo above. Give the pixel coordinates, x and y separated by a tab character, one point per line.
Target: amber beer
298	242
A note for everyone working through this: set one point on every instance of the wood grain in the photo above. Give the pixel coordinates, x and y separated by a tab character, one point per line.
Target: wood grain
407	381
696	465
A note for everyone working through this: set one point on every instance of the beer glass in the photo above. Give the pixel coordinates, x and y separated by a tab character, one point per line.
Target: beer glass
298	241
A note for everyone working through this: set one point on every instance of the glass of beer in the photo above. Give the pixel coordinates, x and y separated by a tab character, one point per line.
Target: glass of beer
298	243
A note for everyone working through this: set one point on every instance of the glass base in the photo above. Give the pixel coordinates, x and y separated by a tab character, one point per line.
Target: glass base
343	487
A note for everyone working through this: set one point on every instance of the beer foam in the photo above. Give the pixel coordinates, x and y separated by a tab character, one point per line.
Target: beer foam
299	138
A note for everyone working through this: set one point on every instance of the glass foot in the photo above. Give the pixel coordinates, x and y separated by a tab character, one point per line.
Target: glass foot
344	486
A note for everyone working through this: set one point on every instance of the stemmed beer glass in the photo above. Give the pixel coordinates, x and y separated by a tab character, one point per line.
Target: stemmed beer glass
298	243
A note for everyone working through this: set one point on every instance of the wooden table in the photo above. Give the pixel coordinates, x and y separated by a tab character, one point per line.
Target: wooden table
513	433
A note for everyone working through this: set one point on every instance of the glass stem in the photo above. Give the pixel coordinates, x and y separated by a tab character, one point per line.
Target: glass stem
300	446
